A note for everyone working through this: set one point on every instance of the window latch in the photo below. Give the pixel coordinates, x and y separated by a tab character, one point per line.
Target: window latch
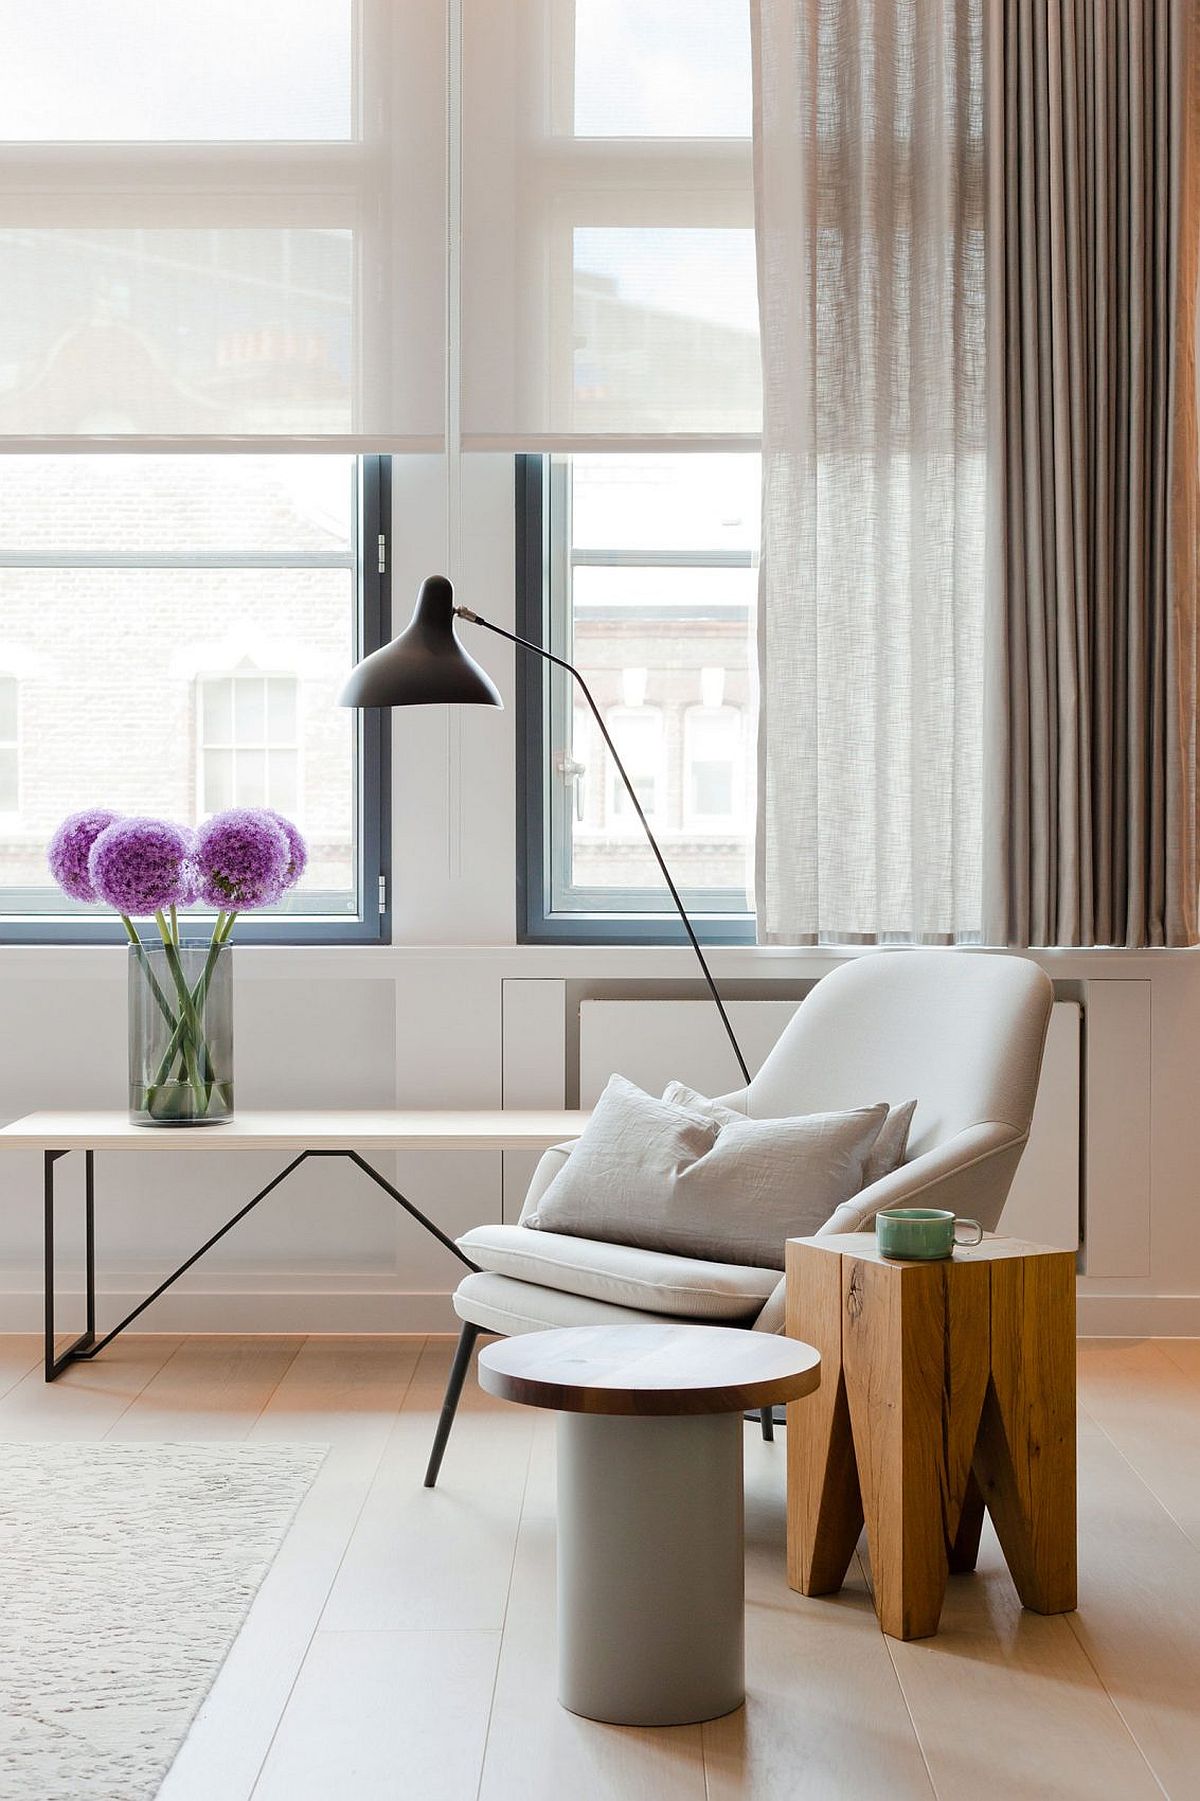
572	770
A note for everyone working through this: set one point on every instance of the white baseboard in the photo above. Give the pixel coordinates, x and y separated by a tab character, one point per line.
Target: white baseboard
211	1310
1138	1316
373	1308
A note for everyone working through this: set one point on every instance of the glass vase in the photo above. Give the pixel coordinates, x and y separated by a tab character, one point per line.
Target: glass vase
180	1034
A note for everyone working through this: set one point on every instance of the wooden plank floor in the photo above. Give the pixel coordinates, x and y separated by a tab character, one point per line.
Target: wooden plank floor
403	1643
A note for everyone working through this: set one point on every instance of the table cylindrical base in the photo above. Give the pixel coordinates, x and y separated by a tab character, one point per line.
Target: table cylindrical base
651	1567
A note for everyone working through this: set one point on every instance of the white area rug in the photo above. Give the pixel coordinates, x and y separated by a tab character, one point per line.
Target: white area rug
125	1573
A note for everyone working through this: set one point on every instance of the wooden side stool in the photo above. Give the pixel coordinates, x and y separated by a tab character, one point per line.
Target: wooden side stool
946	1387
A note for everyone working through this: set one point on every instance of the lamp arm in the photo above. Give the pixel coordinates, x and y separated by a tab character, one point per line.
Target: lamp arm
561	663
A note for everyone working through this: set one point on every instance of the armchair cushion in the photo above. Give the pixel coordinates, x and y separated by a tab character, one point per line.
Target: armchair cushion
887	1153
502	1304
665	1178
651	1281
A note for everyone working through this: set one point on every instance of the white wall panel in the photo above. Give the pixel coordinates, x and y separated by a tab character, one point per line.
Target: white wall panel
1043	1202
654	1042
1119	1129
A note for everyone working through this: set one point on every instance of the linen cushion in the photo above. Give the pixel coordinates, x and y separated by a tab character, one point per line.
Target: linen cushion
887	1155
668	1178
682	1287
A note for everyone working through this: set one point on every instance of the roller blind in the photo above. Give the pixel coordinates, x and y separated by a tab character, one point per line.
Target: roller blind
232	225
608	266
222	223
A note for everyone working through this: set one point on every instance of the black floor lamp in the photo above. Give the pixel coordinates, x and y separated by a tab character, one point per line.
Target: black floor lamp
427	666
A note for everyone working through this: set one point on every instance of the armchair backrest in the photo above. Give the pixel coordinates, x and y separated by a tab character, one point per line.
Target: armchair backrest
962	1031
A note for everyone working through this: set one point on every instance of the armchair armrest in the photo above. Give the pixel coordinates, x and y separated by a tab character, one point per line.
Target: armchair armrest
549	1164
970	1174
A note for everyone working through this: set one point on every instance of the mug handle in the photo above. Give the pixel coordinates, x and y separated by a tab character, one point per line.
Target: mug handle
977	1228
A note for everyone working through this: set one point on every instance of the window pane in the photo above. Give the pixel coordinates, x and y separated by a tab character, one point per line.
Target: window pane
250	778
666	319
662	68
712	789
639	741
9	795
677	639
181	690
218	781
168	506
217	712
192	69
8	709
281	711
249	710
694	592
665	502
282	784
141	331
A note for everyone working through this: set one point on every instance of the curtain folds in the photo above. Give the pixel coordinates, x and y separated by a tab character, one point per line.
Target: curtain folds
869	179
1092	664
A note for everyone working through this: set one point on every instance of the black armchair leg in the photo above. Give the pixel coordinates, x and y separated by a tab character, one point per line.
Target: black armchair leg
454	1387
767	1417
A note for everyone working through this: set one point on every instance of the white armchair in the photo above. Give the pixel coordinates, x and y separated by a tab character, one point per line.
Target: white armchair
962	1031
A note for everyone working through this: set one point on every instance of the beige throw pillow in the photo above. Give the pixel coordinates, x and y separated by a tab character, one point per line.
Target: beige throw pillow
664	1177
890	1147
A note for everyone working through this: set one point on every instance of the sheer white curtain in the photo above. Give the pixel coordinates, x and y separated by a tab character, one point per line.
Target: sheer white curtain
870	197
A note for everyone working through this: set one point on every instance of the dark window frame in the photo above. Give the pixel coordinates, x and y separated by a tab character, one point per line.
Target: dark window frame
373	925
537	922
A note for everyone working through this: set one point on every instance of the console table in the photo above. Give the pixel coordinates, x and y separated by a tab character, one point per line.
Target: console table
311	1134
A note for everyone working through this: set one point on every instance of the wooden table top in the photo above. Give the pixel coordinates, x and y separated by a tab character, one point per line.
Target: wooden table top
466	1129
991	1248
649	1369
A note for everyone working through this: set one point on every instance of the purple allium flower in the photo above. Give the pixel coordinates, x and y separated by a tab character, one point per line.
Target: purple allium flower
297	849
137	865
242	858
70	847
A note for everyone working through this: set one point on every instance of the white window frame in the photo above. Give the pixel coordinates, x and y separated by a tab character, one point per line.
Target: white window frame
717	824
246	673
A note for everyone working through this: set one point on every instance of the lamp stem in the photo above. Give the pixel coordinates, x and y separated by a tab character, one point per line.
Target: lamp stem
561	663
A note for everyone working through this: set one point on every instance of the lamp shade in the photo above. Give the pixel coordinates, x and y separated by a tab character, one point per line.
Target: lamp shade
426	665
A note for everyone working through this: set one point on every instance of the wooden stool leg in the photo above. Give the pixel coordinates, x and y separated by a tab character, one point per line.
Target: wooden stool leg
825	1513
914	1350
964	1552
1025	1457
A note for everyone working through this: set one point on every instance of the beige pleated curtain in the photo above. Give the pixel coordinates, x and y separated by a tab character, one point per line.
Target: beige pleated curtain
977	232
1091	741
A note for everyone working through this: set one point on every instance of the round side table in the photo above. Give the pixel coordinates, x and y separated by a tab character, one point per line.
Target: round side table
651	1558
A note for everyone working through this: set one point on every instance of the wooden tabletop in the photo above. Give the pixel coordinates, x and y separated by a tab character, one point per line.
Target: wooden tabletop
992	1247
646	1369
473	1129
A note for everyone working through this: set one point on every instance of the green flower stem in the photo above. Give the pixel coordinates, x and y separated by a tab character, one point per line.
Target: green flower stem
199	995
168	1012
220	938
192	1035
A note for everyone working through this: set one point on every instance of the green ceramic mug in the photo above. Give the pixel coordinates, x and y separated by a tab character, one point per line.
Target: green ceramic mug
922	1234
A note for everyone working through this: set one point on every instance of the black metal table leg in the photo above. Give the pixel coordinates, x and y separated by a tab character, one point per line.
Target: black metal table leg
81	1347
87	1345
